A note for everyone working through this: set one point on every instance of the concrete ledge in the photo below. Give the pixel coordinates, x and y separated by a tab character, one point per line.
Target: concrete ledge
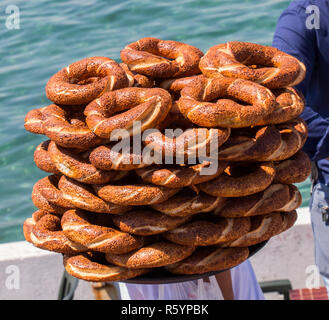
286	256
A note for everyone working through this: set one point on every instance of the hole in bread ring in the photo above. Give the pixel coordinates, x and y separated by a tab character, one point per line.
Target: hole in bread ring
198	102
90	267
240	180
147	222
293	170
85	80
48	235
96	232
162	58
207	233
207	259
149	106
274	68
137	80
154	255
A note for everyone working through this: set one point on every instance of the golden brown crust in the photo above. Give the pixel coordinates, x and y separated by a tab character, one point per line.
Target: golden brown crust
274	198
29	223
95	233
196	103
234	182
158	254
147	222
207	259
232	59
87	268
162	58
208	233
293	170
85	80
148	105
43	160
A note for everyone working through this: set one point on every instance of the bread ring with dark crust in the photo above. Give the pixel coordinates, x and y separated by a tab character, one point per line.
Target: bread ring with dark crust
263	227
293	170
162	58
41	202
271	199
208	233
134	194
196	103
179	176
276	69
158	254
29	223
42	158
187	204
85	80
295	200
94	231
106	157
290	104
82	196
240	180
250	144
86	267
150	106
207	259
147	222
192	143
293	137
48	235
137	80
76	167
289	219
68	128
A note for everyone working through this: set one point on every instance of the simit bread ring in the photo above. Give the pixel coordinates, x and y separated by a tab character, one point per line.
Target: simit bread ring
41	202
207	233
147	222
196	102
289	219
240	180
137	80
188	203
33	121
106	157
94	231
262	228
179	176
162	58
82	196
186	145
295	200
43	160
263	64
209	259
85	80
134	194
151	256
289	105
91	268
149	106
29	223
47	234
249	144
271	199
76	167
293	137
293	170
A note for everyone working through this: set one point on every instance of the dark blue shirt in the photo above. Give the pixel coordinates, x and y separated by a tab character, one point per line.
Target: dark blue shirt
294	36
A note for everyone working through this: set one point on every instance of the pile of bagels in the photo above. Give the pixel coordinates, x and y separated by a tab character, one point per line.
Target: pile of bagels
118	214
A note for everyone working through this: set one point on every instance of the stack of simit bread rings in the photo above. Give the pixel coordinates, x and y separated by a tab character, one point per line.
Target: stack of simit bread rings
116	215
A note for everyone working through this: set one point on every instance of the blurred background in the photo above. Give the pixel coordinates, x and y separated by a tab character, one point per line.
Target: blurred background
53	34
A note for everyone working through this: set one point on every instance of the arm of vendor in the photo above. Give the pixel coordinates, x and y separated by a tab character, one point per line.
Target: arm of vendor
302	31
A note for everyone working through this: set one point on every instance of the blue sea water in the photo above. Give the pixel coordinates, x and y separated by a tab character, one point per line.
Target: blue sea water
53	34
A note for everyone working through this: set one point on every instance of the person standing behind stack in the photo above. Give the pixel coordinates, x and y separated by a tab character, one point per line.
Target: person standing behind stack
302	31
